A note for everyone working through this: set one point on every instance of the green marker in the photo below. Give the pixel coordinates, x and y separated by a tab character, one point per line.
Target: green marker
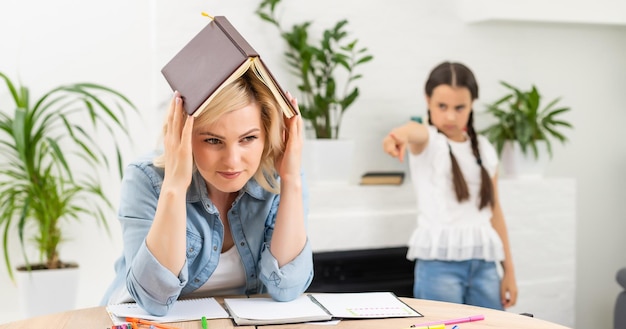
204	324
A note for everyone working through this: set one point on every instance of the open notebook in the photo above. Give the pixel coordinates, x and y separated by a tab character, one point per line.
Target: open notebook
318	307
182	310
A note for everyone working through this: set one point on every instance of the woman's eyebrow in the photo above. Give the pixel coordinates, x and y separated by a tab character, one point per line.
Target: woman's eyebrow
253	130
208	133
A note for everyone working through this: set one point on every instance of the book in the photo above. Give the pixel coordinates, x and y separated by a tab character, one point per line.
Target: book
215	57
318	307
382	178
182	310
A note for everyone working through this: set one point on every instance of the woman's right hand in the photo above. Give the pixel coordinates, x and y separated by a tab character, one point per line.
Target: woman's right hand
177	145
166	239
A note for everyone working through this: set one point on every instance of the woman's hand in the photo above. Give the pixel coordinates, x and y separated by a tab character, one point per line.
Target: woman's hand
166	239
177	145
289	164
289	235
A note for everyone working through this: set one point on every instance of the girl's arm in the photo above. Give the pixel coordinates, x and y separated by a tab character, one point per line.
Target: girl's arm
508	288
413	134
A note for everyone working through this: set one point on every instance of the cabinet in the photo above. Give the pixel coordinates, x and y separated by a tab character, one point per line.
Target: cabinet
347	217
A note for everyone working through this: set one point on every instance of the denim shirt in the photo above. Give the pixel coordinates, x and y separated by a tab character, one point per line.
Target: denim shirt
251	218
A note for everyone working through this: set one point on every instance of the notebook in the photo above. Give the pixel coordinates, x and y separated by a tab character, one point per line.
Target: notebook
318	307
182	310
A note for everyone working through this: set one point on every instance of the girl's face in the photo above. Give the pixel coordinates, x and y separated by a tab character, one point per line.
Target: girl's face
450	108
228	152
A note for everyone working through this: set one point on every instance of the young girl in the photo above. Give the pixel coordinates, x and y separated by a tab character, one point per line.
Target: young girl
461	231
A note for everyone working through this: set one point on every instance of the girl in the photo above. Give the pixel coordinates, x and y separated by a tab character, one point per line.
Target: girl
221	210
461	231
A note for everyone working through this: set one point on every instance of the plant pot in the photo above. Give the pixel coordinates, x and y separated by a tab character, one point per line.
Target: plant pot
47	291
328	160
516	164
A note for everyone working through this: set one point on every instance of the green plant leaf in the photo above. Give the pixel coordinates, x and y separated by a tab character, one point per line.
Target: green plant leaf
41	144
520	118
326	68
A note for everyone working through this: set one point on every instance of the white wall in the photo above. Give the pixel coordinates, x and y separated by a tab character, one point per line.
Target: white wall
124	45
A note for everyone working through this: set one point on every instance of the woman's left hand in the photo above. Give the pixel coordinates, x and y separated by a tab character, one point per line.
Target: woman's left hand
288	165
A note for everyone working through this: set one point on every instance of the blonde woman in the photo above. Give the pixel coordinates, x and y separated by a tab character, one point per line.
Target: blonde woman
221	211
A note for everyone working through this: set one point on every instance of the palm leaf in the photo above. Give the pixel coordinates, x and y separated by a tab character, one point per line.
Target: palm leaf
40	146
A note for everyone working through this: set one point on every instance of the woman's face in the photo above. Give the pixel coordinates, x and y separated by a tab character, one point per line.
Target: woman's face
450	108
228	152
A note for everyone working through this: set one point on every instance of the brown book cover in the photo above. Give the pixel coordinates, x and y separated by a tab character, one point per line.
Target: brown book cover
382	178
217	55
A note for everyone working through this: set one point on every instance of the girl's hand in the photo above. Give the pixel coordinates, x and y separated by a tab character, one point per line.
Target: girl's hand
508	290
288	165
394	146
177	144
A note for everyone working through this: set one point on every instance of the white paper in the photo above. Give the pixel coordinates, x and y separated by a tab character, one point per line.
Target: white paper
182	310
364	305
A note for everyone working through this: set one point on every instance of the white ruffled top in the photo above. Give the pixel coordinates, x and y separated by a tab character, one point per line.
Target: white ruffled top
446	229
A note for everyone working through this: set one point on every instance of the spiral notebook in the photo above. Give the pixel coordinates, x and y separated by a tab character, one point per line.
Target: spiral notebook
182	310
318	307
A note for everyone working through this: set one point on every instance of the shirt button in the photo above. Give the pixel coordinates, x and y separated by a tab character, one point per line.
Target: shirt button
252	275
214	248
190	250
196	280
242	243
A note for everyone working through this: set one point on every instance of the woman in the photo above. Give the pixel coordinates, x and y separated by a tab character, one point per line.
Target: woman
461	231
221	210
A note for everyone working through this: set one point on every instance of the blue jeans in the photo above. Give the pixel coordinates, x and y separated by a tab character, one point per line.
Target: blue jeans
474	282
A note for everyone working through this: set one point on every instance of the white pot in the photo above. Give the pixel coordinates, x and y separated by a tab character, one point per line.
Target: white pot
515	164
328	160
47	291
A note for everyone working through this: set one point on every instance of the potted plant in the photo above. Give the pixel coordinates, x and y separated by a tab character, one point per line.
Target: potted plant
523	125
44	144
321	66
327	71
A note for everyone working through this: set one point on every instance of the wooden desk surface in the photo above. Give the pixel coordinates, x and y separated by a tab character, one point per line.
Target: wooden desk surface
97	318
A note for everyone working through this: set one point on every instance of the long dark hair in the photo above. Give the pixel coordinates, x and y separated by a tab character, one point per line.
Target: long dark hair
459	75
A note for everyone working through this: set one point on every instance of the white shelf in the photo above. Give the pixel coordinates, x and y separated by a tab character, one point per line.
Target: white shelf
599	12
349	217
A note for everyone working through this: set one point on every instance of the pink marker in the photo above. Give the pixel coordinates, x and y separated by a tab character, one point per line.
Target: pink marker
451	321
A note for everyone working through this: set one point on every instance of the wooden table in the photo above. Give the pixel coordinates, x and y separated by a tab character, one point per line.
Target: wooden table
97	318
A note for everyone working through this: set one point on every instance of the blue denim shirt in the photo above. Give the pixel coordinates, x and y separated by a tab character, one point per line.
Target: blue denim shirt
251	220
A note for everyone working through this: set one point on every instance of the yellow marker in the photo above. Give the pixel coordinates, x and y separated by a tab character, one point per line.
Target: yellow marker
207	15
436	326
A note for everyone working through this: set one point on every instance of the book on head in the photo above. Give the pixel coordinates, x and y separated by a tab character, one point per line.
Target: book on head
215	57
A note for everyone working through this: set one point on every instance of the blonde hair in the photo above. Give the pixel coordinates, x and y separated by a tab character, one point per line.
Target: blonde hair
242	92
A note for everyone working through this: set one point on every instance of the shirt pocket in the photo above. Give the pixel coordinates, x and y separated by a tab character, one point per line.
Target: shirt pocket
194	245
